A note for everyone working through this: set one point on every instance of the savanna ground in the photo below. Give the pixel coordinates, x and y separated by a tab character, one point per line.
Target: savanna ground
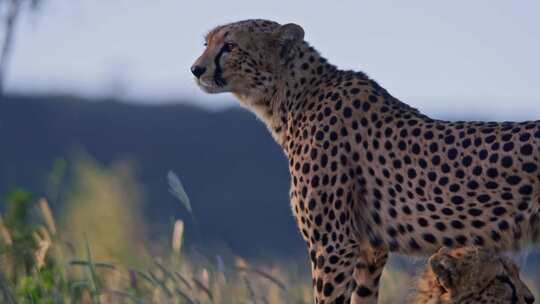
97	250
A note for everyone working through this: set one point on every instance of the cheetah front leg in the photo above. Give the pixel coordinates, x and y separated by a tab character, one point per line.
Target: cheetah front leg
367	274
348	276
333	276
325	219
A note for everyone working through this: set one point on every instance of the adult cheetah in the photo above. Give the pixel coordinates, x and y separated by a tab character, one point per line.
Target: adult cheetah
471	275
370	174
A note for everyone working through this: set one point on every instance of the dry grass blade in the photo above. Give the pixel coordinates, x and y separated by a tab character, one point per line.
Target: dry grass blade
166	271
44	243
177	189
122	294
4	232
79	285
95	264
161	285
183	279
94	283
177	237
174	278
7	296
205	289
184	296
251	291
265	275
146	277
47	216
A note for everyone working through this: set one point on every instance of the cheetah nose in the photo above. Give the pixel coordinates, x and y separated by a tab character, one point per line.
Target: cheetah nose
198	70
529	300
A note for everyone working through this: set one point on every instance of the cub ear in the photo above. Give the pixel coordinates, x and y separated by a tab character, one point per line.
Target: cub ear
445	269
288	36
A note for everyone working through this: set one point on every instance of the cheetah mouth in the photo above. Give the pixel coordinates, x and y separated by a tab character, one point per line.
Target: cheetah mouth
210	85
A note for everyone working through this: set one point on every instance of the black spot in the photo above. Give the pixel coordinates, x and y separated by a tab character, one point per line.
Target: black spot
478	224
448	242
447	211
529	167
414	245
491	185
461	239
440	226
503	225
347	112
513	180
492	173
527	149
328	289
526	190
452	154
483	198
498	211
363	291
509	146
339	278
473	185
478	240
475	212
457	224
428	237
457	200
466	161
495	236
507	162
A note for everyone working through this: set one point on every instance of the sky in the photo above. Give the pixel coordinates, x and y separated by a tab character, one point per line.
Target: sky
459	58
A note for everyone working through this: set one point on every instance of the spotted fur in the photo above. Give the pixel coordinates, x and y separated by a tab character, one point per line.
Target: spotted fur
369	174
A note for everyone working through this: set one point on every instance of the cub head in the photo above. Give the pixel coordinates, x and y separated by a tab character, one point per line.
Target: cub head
470	275
245	57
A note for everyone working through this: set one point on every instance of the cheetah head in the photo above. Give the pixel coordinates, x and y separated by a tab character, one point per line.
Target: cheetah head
245	57
469	275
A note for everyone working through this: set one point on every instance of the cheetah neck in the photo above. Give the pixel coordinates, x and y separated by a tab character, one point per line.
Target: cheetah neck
269	109
294	85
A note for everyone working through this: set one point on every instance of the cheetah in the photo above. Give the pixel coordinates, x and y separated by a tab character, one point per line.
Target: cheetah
370	174
470	275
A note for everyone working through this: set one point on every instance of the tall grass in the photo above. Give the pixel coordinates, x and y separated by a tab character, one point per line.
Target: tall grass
96	251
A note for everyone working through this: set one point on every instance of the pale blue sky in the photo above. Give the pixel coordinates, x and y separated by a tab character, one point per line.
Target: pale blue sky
467	58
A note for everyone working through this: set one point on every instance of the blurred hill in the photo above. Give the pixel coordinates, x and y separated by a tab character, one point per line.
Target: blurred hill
234	173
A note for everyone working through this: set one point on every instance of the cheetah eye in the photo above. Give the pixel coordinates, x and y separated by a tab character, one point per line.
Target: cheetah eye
205	43
230	45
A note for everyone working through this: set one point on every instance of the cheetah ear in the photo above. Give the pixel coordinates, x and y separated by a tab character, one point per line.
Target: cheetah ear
445	269
288	36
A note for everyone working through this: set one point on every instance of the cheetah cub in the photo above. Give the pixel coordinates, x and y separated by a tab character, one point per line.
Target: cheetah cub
471	275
